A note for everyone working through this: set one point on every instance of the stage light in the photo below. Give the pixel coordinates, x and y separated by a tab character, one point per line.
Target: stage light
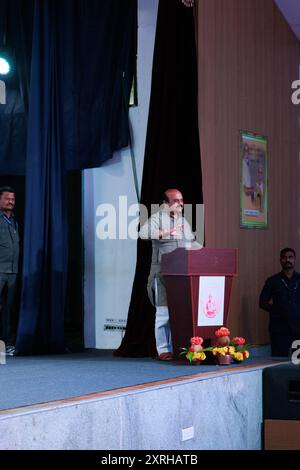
6	62
4	66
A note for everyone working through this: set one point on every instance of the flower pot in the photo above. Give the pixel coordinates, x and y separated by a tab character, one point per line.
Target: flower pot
223	340
224	360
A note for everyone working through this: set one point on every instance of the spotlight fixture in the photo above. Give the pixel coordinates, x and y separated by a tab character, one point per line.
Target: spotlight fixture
6	62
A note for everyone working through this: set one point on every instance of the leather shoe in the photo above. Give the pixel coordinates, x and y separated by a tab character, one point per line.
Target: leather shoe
166	356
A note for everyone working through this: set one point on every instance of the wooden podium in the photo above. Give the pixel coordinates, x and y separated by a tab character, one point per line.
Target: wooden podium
186	273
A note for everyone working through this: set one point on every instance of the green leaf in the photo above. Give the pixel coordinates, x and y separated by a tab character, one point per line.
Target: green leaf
190	356
183	352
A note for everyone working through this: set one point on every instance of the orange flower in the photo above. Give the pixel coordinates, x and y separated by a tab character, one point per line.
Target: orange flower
236	348
196	340
238	341
223	331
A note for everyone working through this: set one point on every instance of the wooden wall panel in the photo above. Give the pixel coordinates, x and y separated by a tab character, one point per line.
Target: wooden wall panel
247	60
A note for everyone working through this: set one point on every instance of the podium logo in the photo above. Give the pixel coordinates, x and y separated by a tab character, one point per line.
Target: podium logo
2	353
296	354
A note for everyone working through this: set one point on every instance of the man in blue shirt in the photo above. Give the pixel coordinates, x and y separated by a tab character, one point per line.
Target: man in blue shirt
9	260
280	297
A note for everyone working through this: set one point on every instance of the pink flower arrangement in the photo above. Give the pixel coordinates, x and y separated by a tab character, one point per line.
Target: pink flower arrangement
196	342
223	336
195	353
223	331
236	348
224	347
238	341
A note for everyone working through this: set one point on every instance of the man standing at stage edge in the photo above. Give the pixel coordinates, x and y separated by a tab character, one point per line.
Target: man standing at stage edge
280	297
9	259
168	230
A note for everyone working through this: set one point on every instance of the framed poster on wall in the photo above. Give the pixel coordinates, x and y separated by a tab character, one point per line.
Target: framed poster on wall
253	180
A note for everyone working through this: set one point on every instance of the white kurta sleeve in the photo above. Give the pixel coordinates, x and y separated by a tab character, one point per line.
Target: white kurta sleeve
150	229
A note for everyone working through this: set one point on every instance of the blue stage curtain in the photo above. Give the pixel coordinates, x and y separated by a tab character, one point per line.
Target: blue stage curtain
99	53
82	66
16	33
41	325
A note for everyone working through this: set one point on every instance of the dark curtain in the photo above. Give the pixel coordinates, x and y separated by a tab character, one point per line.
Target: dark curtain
99	53
16	33
41	327
81	71
20	24
74	311
172	154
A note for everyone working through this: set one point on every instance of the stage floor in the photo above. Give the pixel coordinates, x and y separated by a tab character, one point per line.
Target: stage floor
33	380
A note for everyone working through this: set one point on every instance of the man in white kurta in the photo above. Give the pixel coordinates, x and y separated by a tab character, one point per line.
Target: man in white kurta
168	230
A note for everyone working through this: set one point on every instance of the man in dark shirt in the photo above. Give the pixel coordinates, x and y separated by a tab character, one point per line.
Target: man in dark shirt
9	258
280	296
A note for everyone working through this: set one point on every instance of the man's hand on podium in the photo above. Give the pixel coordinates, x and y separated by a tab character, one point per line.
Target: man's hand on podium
171	232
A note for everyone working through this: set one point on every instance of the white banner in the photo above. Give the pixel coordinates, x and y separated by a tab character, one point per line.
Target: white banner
211	300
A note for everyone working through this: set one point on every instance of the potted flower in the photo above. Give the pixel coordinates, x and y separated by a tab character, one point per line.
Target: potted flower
195	353
222	335
222	351
226	350
223	354
241	349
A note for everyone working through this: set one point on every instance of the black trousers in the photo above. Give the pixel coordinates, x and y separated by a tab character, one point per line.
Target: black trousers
9	321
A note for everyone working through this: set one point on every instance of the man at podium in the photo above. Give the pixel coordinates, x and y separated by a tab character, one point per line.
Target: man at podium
168	230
